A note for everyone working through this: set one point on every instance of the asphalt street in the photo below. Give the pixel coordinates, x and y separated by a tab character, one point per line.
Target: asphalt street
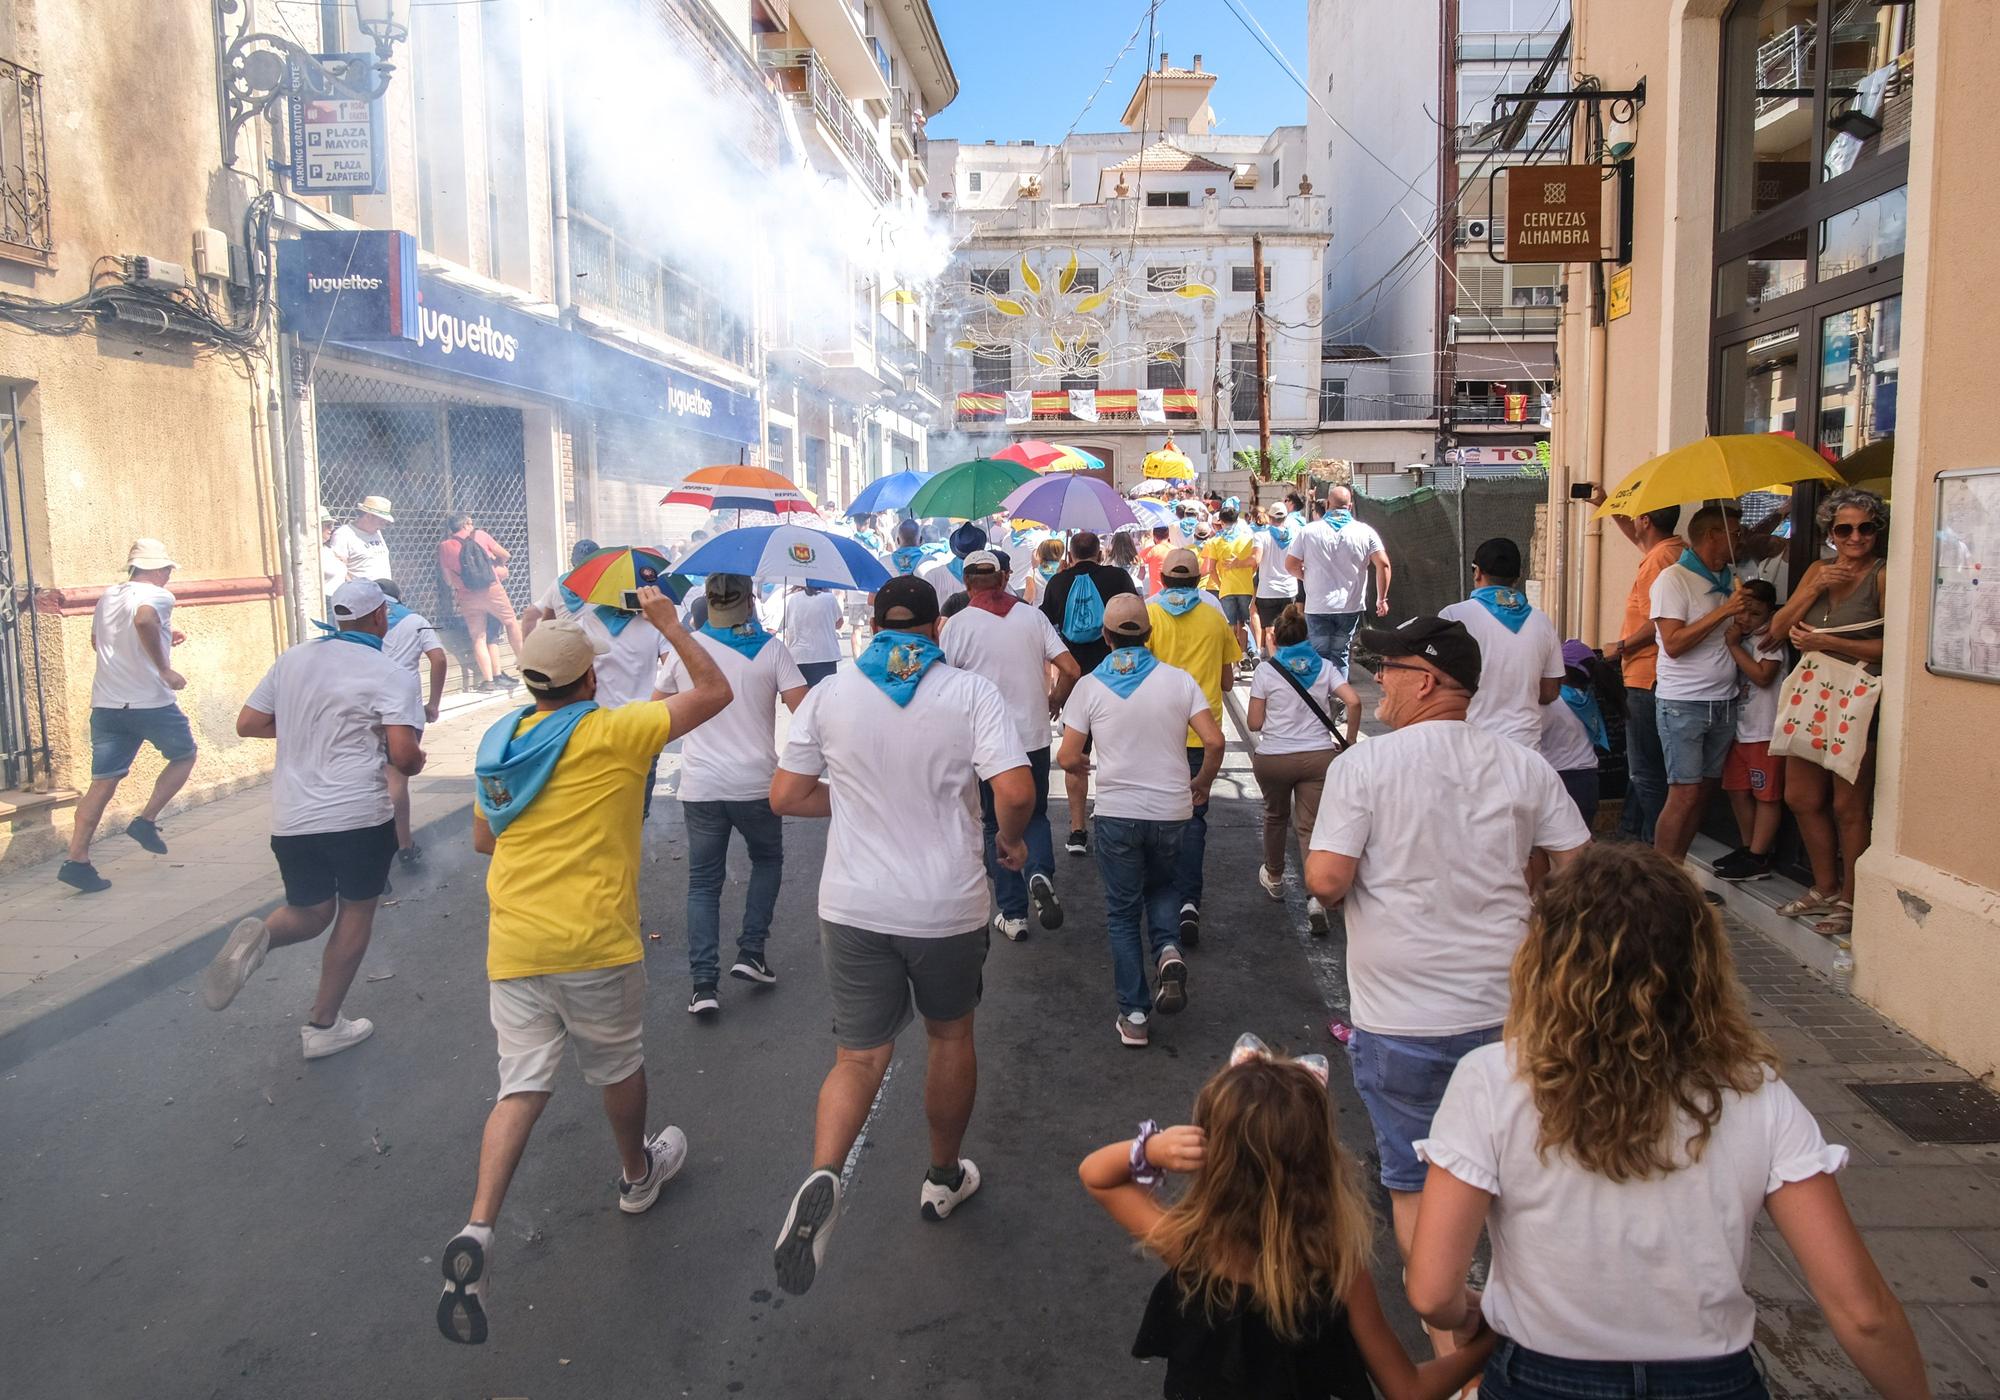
192	1210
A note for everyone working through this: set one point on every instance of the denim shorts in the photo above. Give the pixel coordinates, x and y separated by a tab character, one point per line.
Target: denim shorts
116	736
1401	1080
1695	736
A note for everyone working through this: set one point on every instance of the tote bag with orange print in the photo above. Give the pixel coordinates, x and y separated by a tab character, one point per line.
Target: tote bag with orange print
1825	708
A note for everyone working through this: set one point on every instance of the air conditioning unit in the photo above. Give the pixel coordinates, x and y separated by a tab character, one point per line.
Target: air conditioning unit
1477	231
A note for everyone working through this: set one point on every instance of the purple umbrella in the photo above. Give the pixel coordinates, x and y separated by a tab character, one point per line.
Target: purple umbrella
1069	502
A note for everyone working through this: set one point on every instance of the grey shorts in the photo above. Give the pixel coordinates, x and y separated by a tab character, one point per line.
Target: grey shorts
880	981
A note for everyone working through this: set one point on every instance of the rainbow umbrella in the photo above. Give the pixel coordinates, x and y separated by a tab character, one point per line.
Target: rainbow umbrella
608	575
1070	503
1077	461
771	500
968	490
1039	456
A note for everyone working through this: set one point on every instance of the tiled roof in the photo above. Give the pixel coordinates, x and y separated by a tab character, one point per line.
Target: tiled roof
1165	156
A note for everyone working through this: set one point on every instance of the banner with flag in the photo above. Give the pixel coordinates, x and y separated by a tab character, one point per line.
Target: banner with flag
1083	404
1152	405
1020	406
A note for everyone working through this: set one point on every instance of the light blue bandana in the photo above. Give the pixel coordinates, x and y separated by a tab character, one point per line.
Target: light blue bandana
1124	669
1509	607
1301	660
747	637
896	662
1179	601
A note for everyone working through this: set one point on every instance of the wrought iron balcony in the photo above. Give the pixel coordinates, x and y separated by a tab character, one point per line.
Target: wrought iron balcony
24	167
803	78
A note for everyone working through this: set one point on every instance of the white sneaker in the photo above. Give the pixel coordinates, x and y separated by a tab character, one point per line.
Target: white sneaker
343	1034
936	1202
666	1153
1274	885
242	953
1013	930
1316	917
1132	1029
808	1224
461	1313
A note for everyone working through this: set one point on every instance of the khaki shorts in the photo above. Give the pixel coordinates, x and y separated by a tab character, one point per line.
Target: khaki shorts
879	981
491	601
603	1011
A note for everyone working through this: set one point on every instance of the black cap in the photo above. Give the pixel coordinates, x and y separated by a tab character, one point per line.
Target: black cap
1499	558
1446	645
905	602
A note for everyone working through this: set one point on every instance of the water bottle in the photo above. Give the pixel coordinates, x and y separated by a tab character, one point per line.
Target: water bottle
1843	967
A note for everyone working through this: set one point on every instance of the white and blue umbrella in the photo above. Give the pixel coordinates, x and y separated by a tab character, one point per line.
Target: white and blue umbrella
891	492
791	553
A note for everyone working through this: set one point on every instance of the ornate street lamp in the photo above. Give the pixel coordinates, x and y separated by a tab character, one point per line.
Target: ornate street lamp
256	67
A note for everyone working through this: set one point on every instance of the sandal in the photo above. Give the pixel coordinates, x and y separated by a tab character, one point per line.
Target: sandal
1838	923
1811	902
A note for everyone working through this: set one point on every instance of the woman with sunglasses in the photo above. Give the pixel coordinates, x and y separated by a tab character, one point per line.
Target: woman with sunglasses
1832	813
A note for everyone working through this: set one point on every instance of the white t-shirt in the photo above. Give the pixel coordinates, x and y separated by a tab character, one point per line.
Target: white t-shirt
1014	653
1139	743
1336	564
1566	743
409	640
937	573
903	852
332	573
1512	666
332	700
1597	1270
810	625
626	672
731	757
126	677
1706	671
1274	580
1443	816
362	555
1757	707
1289	727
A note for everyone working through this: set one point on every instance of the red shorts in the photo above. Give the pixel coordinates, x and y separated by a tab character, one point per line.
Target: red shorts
475	608
1750	768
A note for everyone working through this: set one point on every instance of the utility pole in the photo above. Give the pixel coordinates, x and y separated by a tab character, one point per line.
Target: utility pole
1215	398
1263	472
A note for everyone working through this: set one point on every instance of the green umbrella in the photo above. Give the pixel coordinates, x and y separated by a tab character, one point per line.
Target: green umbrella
968	490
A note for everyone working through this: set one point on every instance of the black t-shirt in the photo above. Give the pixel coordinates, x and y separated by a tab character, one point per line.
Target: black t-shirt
1237	1357
1110	581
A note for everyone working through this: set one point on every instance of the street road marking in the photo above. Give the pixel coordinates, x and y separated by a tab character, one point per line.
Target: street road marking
853	1161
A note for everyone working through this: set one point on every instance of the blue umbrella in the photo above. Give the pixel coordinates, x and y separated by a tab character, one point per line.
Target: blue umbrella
891	492
793	553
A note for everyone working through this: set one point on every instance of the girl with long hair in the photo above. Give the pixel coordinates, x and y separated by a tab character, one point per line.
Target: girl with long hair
1618	1143
1048	563
1267	1294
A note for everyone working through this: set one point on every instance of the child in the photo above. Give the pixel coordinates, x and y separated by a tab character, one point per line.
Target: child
1267	1292
1754	780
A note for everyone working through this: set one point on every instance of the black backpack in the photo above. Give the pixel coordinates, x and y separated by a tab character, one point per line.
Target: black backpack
475	565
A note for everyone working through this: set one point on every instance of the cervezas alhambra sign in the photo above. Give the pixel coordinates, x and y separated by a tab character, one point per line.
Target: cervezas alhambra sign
1555	213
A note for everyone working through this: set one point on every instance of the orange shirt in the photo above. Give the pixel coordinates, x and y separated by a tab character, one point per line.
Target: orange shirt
1155	558
1641	668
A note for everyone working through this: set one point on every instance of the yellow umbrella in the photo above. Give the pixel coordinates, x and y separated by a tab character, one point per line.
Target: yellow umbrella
1168	464
1867	464
1717	469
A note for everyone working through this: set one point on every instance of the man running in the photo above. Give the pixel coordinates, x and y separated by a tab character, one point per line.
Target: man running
132	704
1276	588
340	711
726	769
1520	655
1074	602
901	741
1200	641
1135	706
411	642
1014	646
359	545
557	785
1332	557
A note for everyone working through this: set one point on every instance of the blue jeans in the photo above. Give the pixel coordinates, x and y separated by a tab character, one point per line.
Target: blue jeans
1645	767
1515	1373
1010	887
1136	861
1194	842
1332	635
708	826
1401	1080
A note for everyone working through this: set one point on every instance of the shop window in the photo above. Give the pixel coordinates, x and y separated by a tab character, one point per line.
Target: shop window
1868	233
1759	381
1858	353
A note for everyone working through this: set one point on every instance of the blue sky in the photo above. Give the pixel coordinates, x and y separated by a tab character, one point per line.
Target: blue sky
1025	67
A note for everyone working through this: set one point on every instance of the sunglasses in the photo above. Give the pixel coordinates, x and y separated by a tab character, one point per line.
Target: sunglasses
1864	528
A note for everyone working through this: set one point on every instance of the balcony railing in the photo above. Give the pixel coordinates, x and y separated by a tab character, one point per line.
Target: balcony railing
1376	408
804	79
24	166
644	291
1527	412
1506	320
906	124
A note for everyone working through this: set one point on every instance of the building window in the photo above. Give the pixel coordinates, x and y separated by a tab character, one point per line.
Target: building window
1085	280
1275	168
992	371
1177	126
1242	278
994	280
1166	366
1162	277
1084	378
974	180
1243	382
1332	400
1166	199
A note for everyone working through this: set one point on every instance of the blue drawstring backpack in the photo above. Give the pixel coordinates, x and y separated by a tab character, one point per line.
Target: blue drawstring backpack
1083	613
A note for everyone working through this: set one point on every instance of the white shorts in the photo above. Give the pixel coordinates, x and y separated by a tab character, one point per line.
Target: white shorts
603	1011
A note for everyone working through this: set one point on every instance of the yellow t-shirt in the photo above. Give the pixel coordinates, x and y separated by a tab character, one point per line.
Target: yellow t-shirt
564	883
1235	562
1201	642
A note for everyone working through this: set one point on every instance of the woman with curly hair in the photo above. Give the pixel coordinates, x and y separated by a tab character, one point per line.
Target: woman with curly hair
1845	591
1618	1143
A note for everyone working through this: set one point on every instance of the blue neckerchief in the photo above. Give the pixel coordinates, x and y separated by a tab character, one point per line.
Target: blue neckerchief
1340	519
511	769
615	620
1282	534
896	662
1178	601
1045	572
334	634
1724	582
1585	704
1509	607
1122	671
397	612
747	637
1236	531
908	557
1296	520
870	539
957	567
1301	660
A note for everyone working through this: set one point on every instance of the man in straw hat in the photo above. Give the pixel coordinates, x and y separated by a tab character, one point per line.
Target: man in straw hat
131	705
359	545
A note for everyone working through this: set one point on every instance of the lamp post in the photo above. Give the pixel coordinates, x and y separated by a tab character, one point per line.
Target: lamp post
255	67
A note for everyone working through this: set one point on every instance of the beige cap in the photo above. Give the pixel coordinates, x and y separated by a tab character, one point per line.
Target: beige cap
1180	563
1126	616
556	653
149	554
377	506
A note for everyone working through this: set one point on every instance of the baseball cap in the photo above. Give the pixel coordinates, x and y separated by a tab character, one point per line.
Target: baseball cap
1446	645
358	597
983	561
1180	563
728	599
1126	618
581	551
905	602
556	653
149	554
1498	557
